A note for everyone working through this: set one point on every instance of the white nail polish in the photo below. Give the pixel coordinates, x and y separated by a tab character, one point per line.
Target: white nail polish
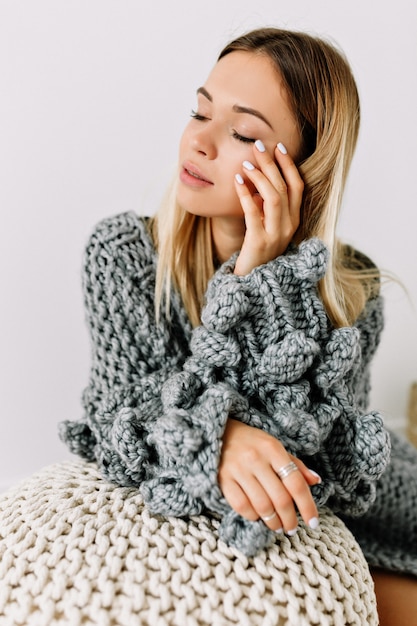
282	148
292	532
279	531
314	523
248	165
239	179
259	145
316	475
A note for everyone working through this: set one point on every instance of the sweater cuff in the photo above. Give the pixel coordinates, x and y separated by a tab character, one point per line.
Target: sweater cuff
231	298
188	439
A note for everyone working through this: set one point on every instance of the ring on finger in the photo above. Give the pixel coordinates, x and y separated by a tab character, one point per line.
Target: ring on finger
268	518
286	470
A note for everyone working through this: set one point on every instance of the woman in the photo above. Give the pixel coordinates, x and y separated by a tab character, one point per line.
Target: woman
232	333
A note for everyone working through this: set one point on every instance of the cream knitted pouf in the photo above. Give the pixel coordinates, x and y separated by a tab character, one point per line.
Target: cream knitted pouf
76	550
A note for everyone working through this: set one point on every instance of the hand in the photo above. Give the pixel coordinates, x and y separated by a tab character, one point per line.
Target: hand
271	203
248	478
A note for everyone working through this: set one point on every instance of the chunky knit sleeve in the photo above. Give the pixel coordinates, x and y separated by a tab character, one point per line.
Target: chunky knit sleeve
267	355
131	356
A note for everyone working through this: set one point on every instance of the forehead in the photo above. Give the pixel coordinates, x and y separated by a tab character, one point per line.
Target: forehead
250	79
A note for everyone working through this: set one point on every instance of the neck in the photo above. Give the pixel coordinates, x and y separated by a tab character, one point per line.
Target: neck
228	234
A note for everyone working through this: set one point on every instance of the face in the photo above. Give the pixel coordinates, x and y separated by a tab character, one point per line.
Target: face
242	100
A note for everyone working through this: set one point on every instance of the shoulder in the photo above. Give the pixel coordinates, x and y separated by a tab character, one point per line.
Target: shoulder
119	230
356	262
124	236
119	255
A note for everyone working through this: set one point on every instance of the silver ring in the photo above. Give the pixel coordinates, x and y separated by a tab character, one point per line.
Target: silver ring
286	470
269	517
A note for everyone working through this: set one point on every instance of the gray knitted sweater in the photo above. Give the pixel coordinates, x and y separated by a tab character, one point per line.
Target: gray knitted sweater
160	395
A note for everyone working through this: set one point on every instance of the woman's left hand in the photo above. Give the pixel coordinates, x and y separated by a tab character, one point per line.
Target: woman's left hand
271	203
249	479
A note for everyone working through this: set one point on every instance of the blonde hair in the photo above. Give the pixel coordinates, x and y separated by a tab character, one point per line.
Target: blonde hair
324	98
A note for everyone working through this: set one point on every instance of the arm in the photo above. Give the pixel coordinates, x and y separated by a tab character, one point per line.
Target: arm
266	336
272	217
340	388
267	357
251	458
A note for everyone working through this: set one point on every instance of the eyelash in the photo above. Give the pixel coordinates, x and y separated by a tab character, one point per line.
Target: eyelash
197	116
242	138
200	118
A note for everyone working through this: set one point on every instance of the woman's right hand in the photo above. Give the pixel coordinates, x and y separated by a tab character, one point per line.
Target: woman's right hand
248	477
271	204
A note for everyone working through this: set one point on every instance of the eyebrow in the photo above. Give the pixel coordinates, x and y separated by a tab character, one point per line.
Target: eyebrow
237	107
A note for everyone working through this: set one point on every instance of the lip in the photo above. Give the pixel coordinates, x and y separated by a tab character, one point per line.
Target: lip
192	176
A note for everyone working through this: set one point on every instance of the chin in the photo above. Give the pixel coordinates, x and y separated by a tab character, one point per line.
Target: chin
193	208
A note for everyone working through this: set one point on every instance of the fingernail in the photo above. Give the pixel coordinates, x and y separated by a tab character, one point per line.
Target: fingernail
316	475
260	146
248	165
282	148
314	523
292	532
239	179
279	531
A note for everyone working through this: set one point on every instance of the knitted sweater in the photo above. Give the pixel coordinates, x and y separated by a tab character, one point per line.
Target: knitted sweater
265	354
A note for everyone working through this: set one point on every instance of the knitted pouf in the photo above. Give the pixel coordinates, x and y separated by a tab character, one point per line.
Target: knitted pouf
75	549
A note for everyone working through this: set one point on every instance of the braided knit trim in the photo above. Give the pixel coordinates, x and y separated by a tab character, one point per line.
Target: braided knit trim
75	549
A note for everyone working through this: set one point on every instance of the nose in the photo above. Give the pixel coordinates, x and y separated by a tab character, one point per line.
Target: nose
204	143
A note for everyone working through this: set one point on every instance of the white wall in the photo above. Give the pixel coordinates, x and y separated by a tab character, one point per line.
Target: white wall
93	97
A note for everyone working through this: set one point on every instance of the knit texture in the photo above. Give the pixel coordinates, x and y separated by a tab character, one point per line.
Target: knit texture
265	354
387	533
77	550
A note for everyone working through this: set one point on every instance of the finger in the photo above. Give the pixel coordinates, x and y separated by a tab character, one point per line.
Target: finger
283	173
298	489
273	522
250	501
271	495
266	177
267	163
238	500
279	168
292	176
310	475
259	496
259	501
281	500
251	206
273	189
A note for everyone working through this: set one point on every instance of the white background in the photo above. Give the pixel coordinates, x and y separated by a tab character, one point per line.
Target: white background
93	98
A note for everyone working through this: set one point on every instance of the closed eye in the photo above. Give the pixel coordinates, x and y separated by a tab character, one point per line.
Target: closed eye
196	115
202	118
242	138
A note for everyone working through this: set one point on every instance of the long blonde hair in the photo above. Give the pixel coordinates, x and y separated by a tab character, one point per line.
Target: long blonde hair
324	98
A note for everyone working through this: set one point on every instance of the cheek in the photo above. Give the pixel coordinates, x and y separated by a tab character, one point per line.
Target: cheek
231	163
